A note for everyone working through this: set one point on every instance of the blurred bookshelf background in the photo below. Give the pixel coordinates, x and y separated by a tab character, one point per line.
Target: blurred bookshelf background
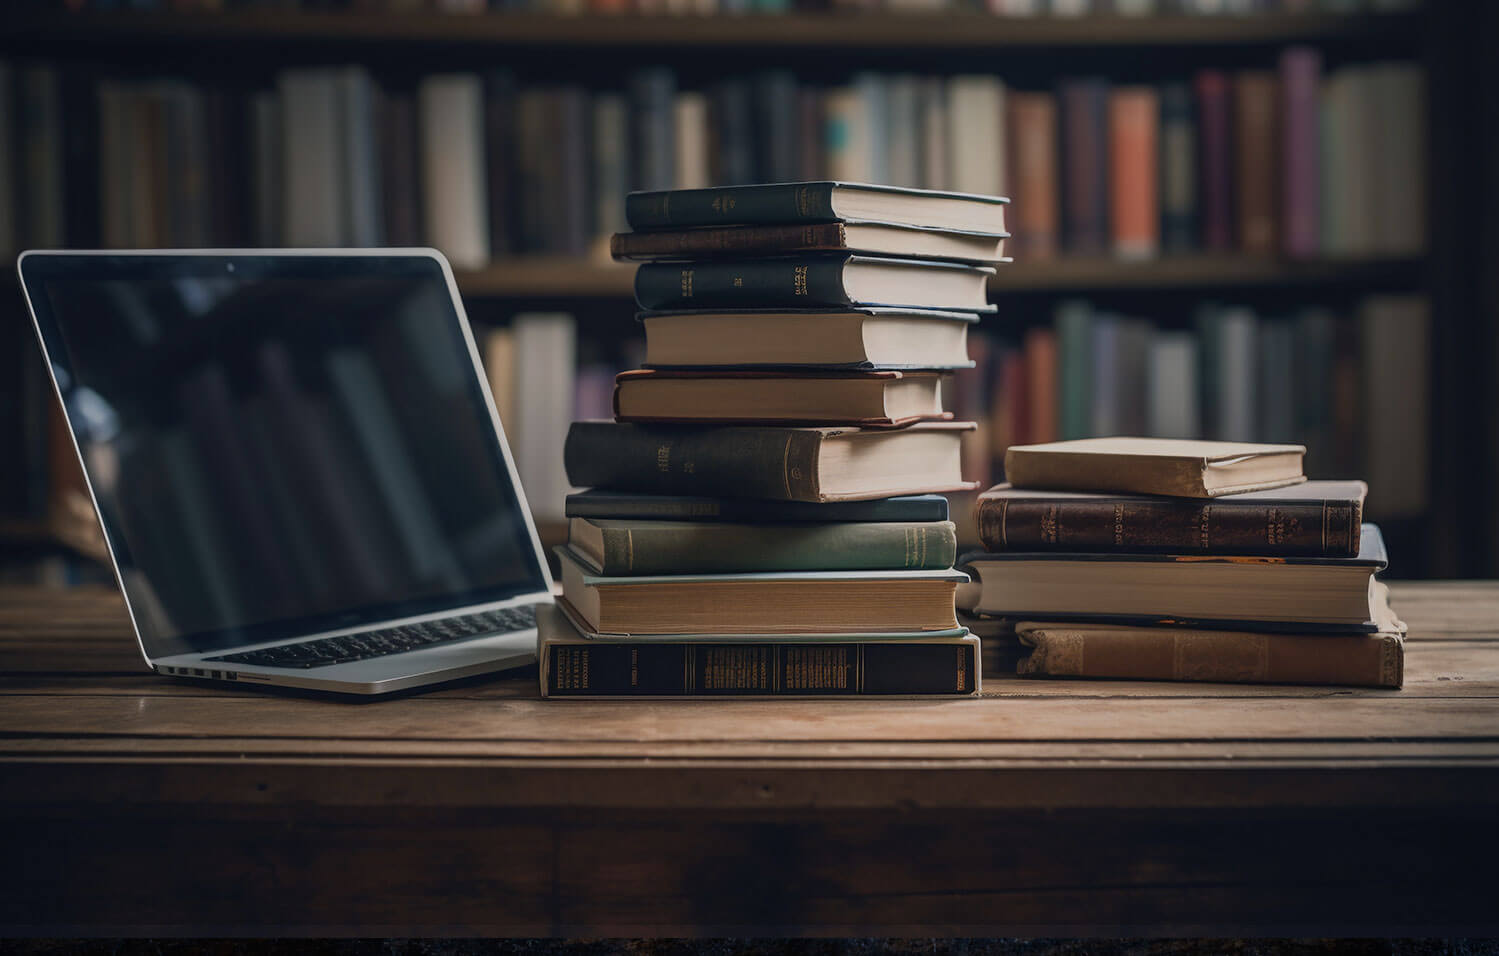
1241	219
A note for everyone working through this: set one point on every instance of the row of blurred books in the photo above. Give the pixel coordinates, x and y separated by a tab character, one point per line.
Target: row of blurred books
1286	160
1352	387
1011	8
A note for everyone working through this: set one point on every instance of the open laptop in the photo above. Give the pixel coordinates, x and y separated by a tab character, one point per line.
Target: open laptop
297	462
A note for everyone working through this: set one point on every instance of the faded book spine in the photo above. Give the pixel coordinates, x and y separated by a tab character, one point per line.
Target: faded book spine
734	240
706	548
775	463
1318	529
788	203
1375	660
764	284
651	669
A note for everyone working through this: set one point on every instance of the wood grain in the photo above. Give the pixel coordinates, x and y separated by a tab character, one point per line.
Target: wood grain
1045	806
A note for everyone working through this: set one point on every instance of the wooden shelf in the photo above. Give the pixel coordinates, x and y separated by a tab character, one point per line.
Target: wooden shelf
587	278
881	31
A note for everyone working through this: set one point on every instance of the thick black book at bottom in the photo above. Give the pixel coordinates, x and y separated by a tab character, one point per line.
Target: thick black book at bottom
596	668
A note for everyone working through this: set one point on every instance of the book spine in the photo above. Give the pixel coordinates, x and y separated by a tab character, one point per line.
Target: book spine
1231	657
1329	528
639	668
767	284
1084	158
1256	158
1134	132
710	548
743	240
775	463
926	508
1178	169
1217	186
811	202
1300	78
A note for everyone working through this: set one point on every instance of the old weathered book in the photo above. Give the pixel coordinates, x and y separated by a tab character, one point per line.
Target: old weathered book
875	238
574	663
782	463
1317	518
822	281
1238	657
854	338
1154	466
598	503
1332	595
804	602
823	398
781	203
623	546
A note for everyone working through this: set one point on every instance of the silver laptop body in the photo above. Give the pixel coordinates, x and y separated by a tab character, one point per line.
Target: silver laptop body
297	463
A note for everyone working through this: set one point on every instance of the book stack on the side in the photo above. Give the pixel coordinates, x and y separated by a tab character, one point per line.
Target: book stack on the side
1155	559
762	516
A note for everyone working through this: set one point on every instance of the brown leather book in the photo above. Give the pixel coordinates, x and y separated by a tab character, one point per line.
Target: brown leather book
1316	518
1237	657
1154	466
1256	154
867	399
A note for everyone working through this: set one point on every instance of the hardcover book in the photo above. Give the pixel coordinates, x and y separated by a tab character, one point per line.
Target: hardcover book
1238	657
785	463
873	238
628	546
868	399
598	503
1333	595
573	663
812	282
781	203
1317	518
848	338
1154	466
805	602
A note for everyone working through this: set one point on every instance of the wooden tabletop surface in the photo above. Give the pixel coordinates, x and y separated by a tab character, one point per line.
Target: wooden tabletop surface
1043	805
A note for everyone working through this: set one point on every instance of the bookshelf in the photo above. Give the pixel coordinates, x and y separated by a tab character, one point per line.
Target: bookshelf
595	278
245	47
855	32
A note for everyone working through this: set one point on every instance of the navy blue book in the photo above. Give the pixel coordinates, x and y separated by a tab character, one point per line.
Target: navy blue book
625	504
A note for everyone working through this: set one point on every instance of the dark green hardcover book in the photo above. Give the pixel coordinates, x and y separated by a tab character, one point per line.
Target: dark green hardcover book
597	503
781	463
699	547
804	282
585	668
813	202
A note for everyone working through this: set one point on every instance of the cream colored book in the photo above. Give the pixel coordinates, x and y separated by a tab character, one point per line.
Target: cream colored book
1154	466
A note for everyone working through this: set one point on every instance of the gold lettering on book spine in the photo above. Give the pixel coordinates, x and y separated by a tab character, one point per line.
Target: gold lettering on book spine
962	668
686	284
799	280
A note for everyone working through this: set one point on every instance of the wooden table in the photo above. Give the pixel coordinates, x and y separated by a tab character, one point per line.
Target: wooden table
133	803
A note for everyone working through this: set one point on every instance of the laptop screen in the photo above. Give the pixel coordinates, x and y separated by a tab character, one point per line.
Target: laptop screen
281	444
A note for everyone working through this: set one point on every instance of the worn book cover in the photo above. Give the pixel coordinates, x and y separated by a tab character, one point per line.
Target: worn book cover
1154	466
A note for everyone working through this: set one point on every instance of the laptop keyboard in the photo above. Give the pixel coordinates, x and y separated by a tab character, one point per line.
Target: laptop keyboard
390	640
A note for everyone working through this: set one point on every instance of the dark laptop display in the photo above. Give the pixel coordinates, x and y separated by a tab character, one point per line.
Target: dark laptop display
279	446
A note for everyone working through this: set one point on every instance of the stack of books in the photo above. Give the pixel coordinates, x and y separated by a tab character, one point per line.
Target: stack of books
1157	559
763	516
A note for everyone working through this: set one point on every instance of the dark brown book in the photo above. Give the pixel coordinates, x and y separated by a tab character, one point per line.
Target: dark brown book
1257	154
867	399
874	238
1317	518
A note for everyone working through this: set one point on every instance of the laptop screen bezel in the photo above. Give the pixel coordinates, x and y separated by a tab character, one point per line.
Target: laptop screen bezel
37	267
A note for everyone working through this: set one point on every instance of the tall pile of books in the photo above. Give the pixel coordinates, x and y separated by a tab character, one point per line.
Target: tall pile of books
762	515
1158	559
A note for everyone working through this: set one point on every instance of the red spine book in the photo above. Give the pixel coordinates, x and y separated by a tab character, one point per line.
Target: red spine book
1041	382
1134	129
1033	144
